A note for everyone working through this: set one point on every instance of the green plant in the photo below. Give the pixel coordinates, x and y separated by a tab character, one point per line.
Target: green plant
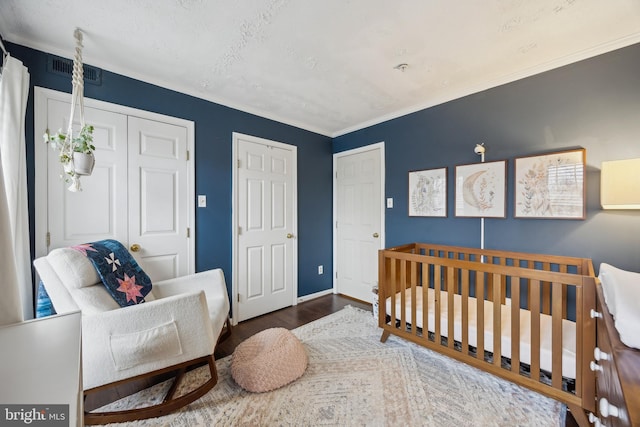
80	143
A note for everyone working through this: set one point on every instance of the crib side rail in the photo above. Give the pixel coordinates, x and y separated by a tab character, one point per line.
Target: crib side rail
559	263
407	276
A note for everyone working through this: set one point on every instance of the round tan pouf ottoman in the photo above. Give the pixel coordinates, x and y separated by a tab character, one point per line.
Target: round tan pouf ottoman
268	360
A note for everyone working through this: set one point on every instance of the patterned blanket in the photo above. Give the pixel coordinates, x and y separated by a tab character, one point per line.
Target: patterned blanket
127	283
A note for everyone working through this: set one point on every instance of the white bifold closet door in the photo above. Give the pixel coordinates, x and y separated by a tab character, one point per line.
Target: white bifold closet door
138	192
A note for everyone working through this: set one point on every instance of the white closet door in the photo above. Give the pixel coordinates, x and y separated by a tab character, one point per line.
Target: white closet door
99	211
359	223
267	226
158	197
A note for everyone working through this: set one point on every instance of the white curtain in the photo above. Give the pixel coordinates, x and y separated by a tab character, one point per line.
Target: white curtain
16	291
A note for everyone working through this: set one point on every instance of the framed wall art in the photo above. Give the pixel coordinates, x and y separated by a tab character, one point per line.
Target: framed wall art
481	190
428	193
551	186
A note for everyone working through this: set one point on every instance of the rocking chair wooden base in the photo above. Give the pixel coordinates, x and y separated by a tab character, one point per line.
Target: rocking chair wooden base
168	405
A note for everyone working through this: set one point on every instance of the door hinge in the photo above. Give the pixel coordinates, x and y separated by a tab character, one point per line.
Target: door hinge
238	297
336	274
239	163
188	155
239	231
188	232
48	239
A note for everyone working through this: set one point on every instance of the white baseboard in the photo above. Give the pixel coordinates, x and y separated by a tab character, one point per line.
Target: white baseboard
314	296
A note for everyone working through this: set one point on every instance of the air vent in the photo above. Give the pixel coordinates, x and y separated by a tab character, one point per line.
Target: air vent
64	67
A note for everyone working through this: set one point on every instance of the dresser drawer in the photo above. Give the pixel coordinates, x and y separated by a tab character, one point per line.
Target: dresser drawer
617	374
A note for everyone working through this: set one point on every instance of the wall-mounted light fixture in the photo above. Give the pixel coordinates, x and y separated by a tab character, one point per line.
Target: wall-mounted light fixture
620	184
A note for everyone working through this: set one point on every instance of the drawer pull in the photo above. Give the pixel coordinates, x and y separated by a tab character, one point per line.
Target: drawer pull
594	366
607	409
600	355
595	314
595	420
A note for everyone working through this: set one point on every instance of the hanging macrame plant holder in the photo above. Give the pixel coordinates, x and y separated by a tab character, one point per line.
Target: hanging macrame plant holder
76	152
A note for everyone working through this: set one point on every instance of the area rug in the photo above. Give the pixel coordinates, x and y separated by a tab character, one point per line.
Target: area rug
354	379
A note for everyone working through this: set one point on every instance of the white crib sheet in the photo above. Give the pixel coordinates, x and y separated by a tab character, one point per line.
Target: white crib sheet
568	328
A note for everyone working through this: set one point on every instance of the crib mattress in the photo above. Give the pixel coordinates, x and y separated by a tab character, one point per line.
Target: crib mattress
568	328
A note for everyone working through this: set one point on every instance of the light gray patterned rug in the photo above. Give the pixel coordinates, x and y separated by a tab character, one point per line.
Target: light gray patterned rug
353	379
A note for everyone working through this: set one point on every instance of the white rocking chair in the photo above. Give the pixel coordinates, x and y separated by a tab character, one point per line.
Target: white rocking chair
175	329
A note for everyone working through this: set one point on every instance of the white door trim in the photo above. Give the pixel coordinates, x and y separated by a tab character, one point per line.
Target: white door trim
41	96
235	212
336	156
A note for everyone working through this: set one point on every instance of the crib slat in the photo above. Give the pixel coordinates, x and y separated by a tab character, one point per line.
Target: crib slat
535	329
403	294
515	324
414	282
451	281
480	315
497	321
465	311
436	293
556	331
563	269
546	291
425	300
394	291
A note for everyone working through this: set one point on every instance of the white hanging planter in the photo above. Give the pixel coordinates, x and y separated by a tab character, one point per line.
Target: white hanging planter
76	151
83	163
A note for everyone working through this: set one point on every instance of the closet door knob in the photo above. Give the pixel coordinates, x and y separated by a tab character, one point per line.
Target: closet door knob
289	236
135	247
376	235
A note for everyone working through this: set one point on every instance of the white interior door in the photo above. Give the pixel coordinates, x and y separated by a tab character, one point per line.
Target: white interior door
99	211
140	192
266	278
359	221
158	215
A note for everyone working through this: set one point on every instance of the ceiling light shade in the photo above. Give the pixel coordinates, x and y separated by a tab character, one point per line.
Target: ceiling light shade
620	184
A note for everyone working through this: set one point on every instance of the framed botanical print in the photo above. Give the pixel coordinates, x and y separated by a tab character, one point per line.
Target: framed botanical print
428	193
551	186
481	190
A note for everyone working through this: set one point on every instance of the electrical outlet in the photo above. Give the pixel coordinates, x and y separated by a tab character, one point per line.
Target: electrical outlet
202	201
320	269
389	202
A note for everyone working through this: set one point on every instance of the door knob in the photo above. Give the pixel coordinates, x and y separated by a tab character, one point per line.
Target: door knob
135	247
289	235
376	235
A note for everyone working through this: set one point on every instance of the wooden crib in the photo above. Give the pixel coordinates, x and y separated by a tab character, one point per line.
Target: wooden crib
429	293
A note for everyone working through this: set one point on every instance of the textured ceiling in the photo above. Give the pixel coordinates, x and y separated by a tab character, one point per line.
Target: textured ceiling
325	65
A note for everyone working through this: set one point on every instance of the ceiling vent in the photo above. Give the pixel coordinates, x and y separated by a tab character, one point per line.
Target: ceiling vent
64	67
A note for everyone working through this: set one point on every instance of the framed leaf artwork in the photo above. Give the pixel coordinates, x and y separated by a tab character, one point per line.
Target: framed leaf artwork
428	193
551	186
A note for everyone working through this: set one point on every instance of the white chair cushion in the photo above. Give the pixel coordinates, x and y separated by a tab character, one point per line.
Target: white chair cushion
93	299
74	269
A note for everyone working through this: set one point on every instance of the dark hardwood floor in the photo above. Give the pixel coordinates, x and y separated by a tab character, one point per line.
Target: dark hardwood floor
290	318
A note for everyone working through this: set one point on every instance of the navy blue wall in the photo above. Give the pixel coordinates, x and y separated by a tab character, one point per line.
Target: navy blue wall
214	125
594	104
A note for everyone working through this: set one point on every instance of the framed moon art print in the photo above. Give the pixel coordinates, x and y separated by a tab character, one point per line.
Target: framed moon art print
481	190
